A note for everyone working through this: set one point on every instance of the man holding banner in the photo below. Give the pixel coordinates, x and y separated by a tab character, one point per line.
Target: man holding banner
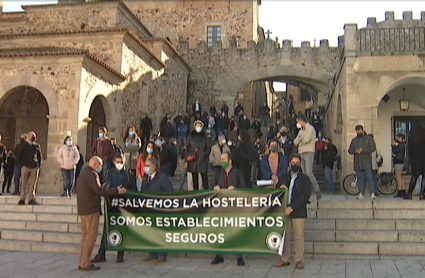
229	178
299	190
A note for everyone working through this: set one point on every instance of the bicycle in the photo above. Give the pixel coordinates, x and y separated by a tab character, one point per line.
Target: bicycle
386	184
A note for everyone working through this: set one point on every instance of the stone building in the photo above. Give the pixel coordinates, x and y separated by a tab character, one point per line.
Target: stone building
68	69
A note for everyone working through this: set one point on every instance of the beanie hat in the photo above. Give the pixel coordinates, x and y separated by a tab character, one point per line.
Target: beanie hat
302	117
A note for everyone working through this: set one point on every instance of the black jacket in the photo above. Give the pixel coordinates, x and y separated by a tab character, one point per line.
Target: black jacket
168	131
127	179
235	179
18	150
160	183
329	155
146	125
399	153
198	143
9	164
300	194
31	156
168	154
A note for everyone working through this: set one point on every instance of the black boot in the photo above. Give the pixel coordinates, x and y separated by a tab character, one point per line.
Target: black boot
120	257
217	260
403	193
98	259
408	196
63	194
400	194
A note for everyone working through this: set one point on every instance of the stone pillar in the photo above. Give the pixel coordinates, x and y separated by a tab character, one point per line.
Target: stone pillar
350	40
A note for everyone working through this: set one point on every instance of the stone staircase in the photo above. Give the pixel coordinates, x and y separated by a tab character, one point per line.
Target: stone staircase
338	227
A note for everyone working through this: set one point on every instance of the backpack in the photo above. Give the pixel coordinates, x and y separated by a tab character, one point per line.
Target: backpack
380	161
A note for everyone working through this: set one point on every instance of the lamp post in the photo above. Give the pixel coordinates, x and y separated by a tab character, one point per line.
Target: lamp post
404	103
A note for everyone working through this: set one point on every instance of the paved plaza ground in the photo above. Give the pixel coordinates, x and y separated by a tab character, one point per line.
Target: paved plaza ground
48	265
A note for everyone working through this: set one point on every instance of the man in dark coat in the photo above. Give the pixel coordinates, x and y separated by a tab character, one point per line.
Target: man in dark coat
196	108
244	123
264	113
230	178
168	156
168	131
362	146
298	186
238	109
146	128
225	109
115	177
155	182
18	164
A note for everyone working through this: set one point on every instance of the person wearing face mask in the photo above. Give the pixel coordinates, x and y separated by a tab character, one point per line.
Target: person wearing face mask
197	152
274	164
264	113
298	186
229	178
305	141
196	108
31	158
244	123
286	143
103	148
155	182
68	157
168	130
18	164
182	133
146	128
89	209
168	157
215	155
132	146
150	151
362	147
115	177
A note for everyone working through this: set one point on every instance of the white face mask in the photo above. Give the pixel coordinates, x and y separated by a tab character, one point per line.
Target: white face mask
198	129
299	125
239	138
224	141
119	166
229	143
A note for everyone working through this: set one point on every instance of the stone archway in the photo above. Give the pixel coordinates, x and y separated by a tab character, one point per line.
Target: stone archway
24	109
97	117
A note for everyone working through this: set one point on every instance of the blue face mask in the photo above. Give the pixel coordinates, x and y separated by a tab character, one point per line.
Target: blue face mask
69	143
99	169
131	133
101	135
149	150
147	170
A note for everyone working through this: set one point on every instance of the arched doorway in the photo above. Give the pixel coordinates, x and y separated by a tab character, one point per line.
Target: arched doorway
98	119
24	109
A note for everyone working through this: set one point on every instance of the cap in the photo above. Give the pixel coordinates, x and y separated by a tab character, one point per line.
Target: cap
359	127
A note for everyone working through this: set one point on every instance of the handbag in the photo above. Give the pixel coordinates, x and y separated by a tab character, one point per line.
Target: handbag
190	156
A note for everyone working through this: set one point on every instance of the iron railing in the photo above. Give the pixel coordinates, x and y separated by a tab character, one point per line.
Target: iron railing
391	40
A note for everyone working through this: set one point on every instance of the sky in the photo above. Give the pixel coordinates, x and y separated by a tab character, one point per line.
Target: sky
306	20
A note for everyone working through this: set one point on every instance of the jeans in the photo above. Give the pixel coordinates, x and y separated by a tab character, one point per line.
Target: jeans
68	178
361	176
182	141
17	178
338	161
307	161
329	179
375	179
225	132
156	255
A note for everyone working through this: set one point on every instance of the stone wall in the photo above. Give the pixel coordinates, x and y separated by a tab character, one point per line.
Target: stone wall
227	70
188	20
57	79
107	46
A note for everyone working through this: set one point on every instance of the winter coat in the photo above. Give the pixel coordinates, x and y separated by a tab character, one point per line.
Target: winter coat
131	152
306	140
362	161
198	143
329	154
399	152
215	154
68	157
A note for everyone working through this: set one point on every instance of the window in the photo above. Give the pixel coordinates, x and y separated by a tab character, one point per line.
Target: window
213	34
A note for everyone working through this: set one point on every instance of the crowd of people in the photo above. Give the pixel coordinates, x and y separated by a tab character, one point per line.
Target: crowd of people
199	142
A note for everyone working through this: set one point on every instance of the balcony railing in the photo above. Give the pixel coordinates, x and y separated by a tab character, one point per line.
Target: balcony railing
391	40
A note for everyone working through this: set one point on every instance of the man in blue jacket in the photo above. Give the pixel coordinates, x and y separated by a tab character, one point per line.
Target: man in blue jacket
115	177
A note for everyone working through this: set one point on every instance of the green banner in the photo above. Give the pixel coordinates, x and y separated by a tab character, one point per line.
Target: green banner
243	221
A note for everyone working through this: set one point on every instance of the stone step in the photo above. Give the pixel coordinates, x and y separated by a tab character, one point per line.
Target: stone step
43	236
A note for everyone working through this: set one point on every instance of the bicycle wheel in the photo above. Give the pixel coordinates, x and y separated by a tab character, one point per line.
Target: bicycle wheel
388	188
350	185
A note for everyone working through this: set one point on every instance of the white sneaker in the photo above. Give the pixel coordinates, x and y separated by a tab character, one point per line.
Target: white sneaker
373	196
360	197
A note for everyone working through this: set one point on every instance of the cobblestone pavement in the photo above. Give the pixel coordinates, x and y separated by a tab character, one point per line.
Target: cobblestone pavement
48	265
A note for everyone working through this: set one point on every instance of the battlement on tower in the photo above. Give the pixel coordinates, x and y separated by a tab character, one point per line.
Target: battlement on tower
407	21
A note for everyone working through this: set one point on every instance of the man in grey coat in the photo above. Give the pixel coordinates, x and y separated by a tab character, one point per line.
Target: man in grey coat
362	146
